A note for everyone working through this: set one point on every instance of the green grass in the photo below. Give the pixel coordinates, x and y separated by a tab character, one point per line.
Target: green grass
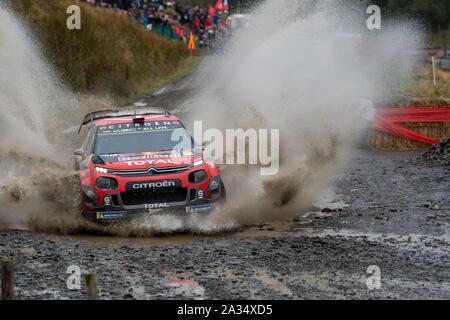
147	87
420	83
109	55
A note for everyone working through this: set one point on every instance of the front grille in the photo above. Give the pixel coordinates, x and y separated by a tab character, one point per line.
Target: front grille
154	196
151	171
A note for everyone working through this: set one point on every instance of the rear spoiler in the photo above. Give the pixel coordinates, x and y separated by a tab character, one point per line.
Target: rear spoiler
136	111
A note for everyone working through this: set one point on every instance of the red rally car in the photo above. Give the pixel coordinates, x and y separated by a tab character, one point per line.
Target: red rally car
140	160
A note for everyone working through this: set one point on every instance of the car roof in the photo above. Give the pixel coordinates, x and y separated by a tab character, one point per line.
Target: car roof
128	119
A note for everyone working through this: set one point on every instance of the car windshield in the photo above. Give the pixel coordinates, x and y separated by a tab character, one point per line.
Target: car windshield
142	137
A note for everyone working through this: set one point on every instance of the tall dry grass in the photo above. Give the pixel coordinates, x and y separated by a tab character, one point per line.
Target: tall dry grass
109	54
420	83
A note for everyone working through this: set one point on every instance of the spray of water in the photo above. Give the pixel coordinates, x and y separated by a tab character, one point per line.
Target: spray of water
38	118
297	67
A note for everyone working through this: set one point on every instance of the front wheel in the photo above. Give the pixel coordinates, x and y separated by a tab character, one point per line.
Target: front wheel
223	193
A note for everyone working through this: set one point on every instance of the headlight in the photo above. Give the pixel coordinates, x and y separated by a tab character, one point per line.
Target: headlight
101	170
198	163
198	176
104	183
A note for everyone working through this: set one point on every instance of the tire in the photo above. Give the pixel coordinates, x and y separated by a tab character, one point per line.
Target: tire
223	193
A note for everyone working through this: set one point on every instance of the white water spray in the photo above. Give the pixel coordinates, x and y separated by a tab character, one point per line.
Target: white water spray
295	69
298	68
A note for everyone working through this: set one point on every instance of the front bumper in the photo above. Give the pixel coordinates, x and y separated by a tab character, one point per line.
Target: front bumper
112	215
126	205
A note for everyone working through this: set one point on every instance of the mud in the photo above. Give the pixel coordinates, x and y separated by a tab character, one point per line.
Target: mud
383	211
438	154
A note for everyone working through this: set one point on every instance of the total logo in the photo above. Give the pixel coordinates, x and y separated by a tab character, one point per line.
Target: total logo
142	162
156	205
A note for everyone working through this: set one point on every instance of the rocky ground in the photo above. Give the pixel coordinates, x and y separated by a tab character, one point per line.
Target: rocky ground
386	212
438	154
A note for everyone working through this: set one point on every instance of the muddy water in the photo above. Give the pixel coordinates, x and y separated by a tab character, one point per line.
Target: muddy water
162	240
232	84
393	215
329	201
264	230
57	217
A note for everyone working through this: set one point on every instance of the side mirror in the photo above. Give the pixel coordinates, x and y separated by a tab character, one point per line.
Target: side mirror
96	159
79	152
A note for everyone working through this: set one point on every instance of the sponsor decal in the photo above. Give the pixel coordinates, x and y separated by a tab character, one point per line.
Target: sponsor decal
202	208
156	205
149	155
138	127
142	162
152	185
110	215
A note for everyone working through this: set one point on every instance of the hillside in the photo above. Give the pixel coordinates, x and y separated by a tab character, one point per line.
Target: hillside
108	55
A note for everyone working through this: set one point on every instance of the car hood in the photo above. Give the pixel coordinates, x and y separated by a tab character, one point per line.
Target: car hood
142	160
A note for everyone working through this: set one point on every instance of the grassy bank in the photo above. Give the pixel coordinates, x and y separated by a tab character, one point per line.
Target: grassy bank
420	83
108	55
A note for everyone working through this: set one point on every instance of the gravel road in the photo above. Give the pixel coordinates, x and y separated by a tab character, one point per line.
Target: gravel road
387	211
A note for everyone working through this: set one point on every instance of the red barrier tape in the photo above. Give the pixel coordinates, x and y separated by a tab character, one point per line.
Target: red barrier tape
385	119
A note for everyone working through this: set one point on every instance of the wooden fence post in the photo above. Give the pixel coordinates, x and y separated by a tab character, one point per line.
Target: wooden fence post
91	286
7	279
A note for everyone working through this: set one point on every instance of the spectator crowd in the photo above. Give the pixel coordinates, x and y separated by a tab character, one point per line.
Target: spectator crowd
210	26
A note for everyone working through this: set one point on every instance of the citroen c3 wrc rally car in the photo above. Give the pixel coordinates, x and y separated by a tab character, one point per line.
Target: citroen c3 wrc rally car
130	164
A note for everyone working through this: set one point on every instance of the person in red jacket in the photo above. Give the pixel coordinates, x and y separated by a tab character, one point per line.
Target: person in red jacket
196	24
208	23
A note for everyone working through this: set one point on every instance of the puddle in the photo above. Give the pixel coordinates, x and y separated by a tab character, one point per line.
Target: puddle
329	200
183	285
164	240
440	244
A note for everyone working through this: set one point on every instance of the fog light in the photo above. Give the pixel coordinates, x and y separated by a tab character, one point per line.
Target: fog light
213	184
90	193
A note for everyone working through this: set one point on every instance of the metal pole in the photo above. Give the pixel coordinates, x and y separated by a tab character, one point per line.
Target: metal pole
433	61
